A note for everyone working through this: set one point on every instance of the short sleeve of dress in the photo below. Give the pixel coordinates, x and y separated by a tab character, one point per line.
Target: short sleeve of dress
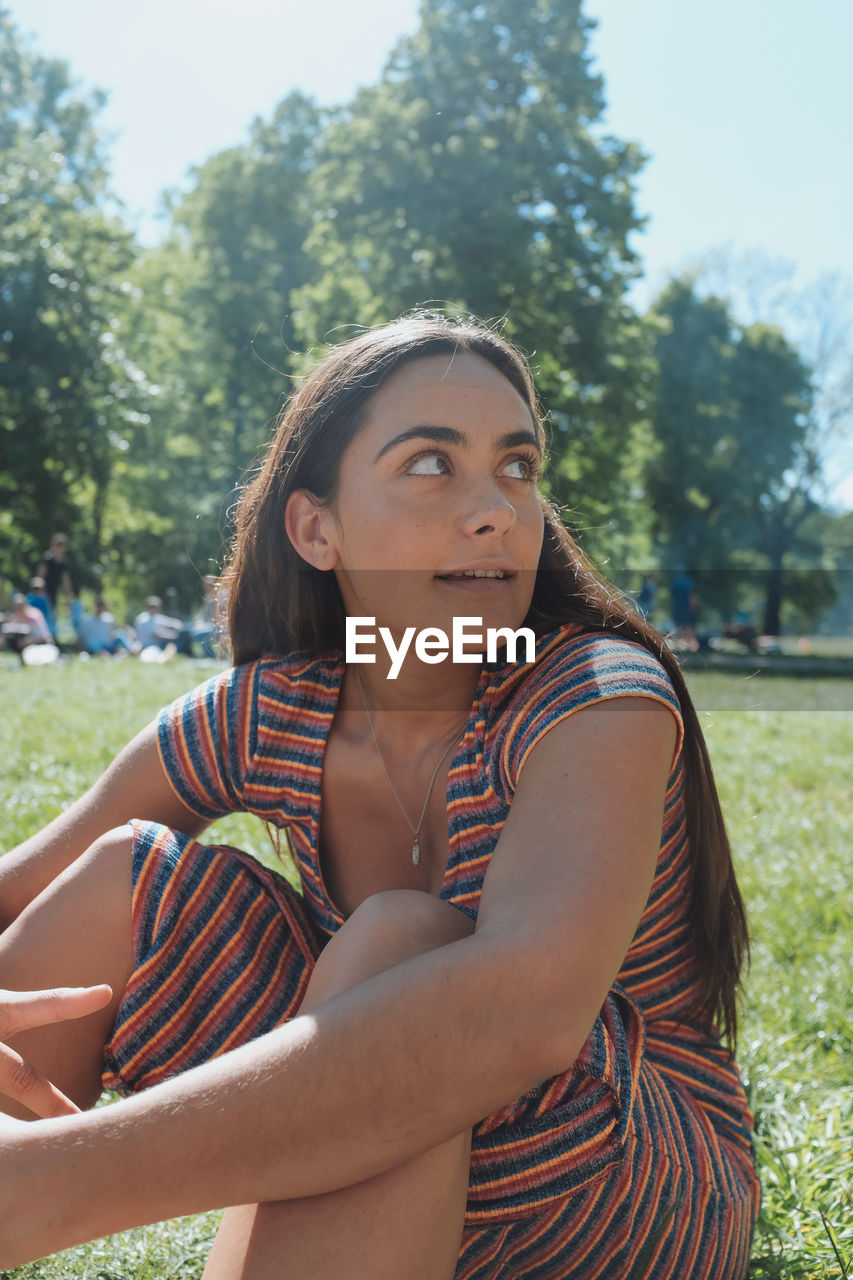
207	740
572	672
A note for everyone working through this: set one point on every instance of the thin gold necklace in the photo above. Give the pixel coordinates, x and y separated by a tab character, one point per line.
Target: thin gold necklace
416	830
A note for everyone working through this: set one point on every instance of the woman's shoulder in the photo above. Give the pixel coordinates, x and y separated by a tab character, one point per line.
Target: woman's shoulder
284	689
300	676
234	715
268	683
298	668
572	656
574	668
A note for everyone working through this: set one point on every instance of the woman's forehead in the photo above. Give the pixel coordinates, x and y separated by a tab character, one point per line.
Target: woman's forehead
454	383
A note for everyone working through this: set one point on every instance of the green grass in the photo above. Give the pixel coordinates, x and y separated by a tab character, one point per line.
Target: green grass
61	726
787	791
782	751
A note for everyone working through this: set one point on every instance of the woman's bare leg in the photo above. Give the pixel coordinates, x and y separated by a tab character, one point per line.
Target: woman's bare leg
77	932
407	1222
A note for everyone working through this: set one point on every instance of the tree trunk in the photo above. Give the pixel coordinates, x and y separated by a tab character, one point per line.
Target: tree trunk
773	599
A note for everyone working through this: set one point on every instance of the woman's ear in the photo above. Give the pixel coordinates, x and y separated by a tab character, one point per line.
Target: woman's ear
308	525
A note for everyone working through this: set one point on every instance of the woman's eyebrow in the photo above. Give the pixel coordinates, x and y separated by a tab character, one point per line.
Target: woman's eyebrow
450	435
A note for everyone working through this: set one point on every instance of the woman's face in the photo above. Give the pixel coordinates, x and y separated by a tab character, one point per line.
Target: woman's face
440	480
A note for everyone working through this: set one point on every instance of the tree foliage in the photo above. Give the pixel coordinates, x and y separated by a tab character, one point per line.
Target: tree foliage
816	317
209	321
731	485
64	391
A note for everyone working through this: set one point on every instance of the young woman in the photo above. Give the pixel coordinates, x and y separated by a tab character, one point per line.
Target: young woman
485	1040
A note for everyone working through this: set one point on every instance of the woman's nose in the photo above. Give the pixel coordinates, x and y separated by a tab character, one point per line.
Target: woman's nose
488	510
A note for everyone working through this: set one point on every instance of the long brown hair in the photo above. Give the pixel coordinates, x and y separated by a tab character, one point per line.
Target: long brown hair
278	604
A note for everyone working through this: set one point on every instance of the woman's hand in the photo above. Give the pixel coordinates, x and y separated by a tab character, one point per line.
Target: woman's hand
21	1010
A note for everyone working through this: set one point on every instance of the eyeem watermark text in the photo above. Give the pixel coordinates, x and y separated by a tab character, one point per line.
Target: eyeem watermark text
432	644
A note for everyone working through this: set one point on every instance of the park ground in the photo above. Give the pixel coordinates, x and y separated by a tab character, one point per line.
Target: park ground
781	750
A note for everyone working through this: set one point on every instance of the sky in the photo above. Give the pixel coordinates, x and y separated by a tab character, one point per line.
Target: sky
744	107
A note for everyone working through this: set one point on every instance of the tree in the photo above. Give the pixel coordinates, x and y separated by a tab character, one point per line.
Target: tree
243	226
832	534
209	321
817	319
731	486
64	392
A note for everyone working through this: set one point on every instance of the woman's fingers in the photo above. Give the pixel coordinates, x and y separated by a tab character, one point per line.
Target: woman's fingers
21	1010
20	1080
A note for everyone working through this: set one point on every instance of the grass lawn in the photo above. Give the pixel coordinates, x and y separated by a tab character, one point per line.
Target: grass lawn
782	754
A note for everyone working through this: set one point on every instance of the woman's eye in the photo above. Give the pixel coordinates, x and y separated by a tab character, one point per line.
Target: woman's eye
427	464
526	468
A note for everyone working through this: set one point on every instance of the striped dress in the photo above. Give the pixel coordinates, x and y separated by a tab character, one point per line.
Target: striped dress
635	1161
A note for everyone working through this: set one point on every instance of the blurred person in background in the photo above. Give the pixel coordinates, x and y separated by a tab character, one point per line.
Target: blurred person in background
97	633
154	628
25	626
54	569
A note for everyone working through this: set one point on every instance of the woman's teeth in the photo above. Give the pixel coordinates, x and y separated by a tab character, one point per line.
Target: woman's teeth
478	573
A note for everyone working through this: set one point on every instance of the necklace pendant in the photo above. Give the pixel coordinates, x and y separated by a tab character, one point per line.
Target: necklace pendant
416	852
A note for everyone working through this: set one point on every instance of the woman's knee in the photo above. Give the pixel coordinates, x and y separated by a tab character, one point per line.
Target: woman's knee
103	875
384	930
408	921
80	912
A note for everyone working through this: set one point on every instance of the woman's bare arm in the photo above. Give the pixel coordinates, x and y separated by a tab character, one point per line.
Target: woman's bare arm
133	786
408	1059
